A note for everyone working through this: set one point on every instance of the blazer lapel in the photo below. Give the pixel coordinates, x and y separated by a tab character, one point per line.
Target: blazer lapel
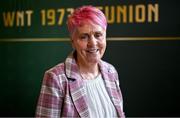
78	96
76	87
112	86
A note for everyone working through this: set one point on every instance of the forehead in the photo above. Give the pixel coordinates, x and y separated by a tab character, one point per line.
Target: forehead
89	28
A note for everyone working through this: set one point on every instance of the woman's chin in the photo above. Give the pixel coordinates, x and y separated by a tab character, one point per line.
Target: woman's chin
93	61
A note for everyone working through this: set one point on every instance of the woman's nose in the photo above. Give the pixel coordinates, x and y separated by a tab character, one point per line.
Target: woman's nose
92	41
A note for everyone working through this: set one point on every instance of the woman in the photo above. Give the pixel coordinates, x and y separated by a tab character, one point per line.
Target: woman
84	85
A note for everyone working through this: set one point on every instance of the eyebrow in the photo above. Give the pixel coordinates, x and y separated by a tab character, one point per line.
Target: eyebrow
83	34
86	33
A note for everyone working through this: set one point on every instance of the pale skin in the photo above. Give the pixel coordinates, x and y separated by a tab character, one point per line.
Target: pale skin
89	41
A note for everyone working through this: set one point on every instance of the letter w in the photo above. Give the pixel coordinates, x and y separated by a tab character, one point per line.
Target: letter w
8	18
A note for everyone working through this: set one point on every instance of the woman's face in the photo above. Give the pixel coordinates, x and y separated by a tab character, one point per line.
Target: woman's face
89	41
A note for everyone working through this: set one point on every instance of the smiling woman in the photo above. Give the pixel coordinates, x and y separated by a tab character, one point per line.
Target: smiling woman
90	43
83	85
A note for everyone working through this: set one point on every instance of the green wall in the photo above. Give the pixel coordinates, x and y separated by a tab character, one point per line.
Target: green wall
149	74
22	66
146	55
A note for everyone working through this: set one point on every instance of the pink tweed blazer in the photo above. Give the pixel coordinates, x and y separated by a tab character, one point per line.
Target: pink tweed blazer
62	93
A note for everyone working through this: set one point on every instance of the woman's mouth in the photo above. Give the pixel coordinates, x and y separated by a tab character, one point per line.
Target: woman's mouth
92	50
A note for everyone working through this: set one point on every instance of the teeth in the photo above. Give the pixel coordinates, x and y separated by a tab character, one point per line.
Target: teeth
93	50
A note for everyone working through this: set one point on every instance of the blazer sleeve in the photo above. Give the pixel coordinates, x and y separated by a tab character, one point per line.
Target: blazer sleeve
51	97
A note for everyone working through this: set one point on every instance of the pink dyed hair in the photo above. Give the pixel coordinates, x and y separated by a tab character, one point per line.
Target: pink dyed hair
86	14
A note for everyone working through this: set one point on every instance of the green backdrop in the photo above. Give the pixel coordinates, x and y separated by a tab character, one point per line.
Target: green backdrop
146	55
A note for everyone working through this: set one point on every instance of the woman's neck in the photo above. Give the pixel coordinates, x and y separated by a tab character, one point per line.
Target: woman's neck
88	71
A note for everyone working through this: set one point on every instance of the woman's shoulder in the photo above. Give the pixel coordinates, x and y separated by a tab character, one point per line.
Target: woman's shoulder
108	66
55	78
56	74
57	69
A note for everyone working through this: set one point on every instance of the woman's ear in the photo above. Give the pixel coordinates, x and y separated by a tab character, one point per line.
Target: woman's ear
72	43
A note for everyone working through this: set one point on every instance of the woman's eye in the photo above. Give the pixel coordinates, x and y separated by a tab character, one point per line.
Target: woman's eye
84	37
98	35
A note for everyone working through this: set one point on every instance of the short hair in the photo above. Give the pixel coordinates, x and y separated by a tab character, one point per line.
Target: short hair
86	14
